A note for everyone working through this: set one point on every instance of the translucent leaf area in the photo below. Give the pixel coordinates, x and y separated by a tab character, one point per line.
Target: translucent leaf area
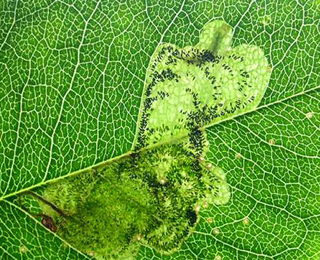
73	75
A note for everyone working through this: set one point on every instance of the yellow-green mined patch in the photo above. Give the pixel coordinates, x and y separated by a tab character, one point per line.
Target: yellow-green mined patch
190	87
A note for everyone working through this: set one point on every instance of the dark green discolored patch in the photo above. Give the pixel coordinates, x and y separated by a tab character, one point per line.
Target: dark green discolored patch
151	197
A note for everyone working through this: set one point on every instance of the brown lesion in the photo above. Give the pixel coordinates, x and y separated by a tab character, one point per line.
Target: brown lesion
47	221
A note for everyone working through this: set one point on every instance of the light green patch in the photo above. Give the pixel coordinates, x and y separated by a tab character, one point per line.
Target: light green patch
265	20
194	86
216	37
23	249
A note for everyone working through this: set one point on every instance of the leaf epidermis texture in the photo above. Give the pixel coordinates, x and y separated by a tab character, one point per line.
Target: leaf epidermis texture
270	156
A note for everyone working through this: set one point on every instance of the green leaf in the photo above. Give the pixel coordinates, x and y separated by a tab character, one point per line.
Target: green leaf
22	237
72	74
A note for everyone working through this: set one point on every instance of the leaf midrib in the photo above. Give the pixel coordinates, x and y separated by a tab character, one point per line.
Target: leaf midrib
104	163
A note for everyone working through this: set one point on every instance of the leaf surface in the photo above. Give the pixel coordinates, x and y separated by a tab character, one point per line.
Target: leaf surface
72	74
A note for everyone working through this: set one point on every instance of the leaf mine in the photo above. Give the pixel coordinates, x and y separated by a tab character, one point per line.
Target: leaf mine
154	196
